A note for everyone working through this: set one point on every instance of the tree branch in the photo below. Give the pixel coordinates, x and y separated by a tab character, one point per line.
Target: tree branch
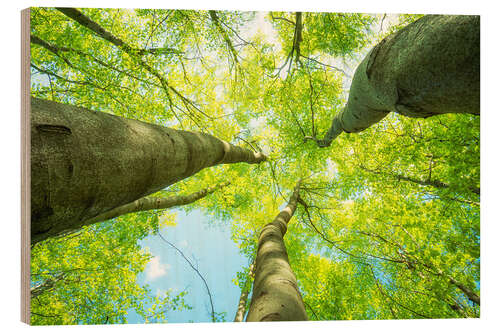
154	203
215	21
245	290
393	300
57	50
79	17
197	272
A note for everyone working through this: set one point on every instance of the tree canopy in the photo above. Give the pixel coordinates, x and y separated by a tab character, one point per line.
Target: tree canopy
387	223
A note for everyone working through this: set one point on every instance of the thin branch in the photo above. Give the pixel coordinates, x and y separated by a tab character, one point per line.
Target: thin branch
104	89
334	244
313	312
382	23
311	106
393	300
57	50
216	22
47	285
411	260
169	12
197	272
237	35
45	315
274	18
79	17
427	182
326	65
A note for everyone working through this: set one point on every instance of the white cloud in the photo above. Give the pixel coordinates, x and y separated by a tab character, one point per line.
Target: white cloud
155	269
183	243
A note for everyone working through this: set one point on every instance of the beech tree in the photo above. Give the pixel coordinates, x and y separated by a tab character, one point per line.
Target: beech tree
86	163
276	296
387	222
245	291
429	67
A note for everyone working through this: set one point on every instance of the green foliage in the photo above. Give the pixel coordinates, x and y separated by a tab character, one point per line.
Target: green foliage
389	215
336	34
404	20
92	277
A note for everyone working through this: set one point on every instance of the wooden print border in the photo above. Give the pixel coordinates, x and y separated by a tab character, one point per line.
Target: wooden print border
25	166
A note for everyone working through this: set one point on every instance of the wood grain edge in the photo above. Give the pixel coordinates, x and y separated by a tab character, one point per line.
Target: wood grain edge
25	166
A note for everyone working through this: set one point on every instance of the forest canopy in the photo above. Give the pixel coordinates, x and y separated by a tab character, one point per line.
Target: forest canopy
386	225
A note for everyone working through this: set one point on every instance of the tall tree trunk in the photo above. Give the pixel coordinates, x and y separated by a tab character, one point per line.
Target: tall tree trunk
429	67
151	203
242	303
85	163
276	296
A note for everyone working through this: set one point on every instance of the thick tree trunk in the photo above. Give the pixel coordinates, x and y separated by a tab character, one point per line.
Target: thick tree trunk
242	303
276	296
429	67
85	163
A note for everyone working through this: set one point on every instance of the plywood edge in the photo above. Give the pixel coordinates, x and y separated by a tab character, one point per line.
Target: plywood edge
25	166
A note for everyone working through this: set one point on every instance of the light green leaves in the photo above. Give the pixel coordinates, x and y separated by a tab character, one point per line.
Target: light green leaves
387	215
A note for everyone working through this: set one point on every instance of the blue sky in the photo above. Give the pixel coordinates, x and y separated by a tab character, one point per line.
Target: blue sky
208	245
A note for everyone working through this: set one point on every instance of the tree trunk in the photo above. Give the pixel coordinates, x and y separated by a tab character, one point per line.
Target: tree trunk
151	203
85	163
276	296
242	303
429	67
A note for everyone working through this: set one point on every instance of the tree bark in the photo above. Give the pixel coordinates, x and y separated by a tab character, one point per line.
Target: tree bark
297	39
276	296
471	295
85	163
242	303
429	182
429	67
151	203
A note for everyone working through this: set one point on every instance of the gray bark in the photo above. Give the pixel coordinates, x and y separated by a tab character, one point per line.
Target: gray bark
276	296
245	290
429	67
85	163
151	203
